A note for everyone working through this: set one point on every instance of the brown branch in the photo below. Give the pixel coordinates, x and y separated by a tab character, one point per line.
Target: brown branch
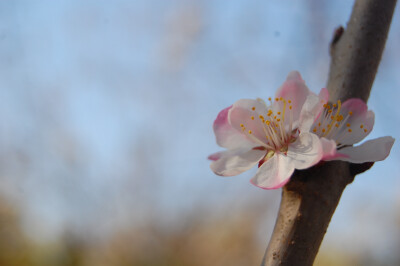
310	198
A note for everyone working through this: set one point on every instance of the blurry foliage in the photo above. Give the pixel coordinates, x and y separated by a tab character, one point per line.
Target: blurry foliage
200	239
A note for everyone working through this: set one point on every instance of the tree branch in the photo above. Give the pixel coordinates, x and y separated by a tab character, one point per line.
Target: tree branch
311	197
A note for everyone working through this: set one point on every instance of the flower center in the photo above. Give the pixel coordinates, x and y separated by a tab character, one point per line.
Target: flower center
276	126
332	124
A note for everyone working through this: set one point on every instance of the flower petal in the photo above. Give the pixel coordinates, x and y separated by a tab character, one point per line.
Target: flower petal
305	152
242	113
226	135
370	151
360	120
234	162
295	90
328	149
274	173
312	109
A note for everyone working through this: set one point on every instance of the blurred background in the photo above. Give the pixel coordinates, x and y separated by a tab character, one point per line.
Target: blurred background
106	115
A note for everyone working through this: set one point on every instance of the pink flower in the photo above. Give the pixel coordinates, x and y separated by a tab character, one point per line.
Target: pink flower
254	133
341	125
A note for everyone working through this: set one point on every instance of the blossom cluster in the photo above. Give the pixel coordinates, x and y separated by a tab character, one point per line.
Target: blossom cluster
294	130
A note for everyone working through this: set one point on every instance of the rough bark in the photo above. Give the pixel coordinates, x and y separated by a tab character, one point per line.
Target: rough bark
311	197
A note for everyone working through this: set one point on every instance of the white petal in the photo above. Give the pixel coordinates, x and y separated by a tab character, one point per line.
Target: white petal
274	173
227	136
328	149
360	120
306	151
234	162
242	113
311	109
370	151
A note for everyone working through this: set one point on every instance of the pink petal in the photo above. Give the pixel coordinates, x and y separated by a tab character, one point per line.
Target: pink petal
295	90
305	152
226	135
360	119
329	149
370	151
215	156
274	173
234	162
242	113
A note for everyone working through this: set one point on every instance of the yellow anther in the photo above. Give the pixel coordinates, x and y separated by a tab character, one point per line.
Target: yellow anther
319	124
274	117
269	99
267	122
365	130
281	99
289	101
332	117
241	125
253	108
252	118
276	99
261	117
249	131
336	125
290	107
349	130
347	125
323	130
279	113
334	105
315	129
350	113
330	111
278	120
361	126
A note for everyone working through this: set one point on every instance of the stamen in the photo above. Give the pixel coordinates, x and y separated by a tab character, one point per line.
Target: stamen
252	118
253	108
